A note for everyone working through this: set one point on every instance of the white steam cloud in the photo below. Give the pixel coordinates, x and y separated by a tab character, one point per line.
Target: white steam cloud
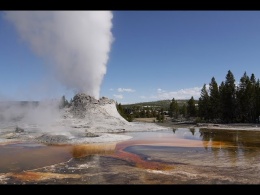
22	113
76	43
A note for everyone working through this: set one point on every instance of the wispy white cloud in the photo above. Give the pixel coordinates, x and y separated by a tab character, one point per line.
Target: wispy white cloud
159	90
143	97
180	94
125	90
118	96
111	89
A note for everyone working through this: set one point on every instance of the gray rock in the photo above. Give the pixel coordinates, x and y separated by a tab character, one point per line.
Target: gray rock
19	130
105	100
89	134
10	136
82	102
52	139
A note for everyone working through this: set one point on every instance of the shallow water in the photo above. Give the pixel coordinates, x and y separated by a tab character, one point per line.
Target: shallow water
182	156
24	156
211	147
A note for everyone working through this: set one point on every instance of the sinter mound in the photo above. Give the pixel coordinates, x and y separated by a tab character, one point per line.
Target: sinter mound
95	115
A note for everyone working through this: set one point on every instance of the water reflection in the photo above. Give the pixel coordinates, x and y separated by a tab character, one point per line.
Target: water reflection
236	138
202	146
236	144
219	138
192	130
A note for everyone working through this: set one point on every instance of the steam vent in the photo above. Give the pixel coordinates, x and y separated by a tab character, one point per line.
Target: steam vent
101	114
82	103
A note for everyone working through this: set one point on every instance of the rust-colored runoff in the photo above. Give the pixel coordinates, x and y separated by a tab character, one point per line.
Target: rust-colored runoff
136	159
39	176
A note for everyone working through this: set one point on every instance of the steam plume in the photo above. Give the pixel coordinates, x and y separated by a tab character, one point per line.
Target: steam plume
76	43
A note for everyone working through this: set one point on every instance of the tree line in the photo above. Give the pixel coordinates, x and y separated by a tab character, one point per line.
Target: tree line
224	103
229	102
174	110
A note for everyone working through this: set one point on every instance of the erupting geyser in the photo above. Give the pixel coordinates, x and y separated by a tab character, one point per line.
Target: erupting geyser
76	44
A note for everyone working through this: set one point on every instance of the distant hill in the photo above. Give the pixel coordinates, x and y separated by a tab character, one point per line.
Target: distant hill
160	103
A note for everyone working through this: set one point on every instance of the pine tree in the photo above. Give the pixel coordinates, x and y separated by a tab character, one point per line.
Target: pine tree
257	100
243	98
204	103
160	116
214	100
63	102
191	108
221	89
174	109
121	110
229	98
183	110
252	99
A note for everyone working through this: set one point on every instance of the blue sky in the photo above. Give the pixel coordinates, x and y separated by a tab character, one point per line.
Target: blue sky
155	55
